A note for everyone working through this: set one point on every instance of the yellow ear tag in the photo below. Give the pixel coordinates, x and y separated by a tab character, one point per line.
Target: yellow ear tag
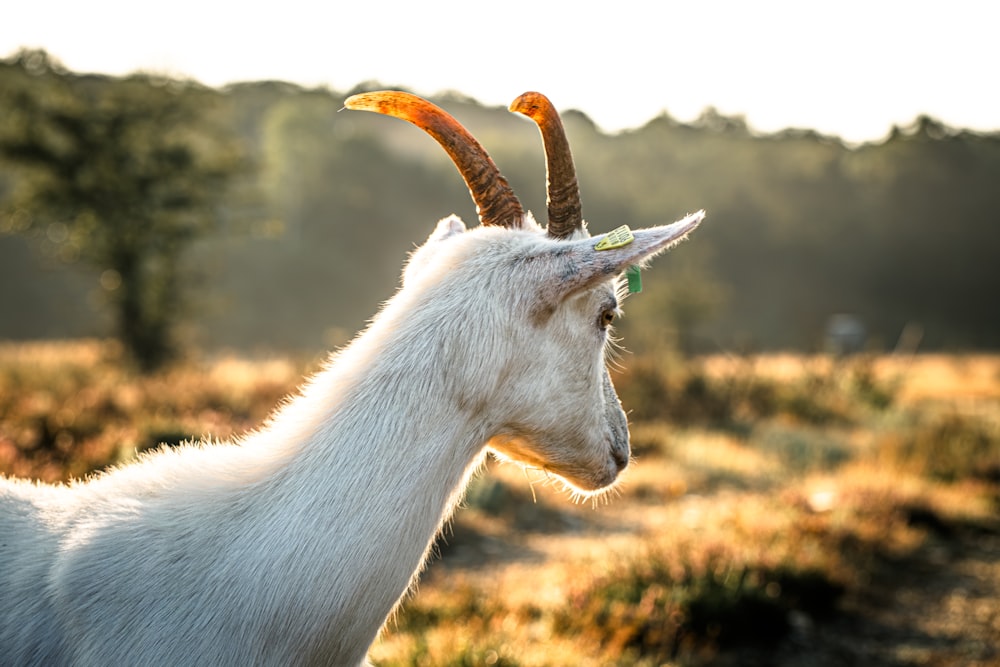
616	238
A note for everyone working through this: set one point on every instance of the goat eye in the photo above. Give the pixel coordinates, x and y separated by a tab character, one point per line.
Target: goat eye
607	318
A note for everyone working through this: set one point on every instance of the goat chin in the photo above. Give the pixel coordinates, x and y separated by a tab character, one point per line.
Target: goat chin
294	544
594	478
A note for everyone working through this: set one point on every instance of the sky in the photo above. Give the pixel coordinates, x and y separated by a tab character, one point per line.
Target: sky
849	68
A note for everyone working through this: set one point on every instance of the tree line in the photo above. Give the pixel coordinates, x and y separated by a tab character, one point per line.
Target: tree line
260	216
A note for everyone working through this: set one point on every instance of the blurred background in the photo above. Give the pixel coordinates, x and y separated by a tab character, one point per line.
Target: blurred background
847	159
188	221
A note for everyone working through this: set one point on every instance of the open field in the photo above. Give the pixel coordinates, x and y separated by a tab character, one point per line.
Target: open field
782	510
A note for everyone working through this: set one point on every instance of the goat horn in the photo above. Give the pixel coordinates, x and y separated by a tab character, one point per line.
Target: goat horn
562	191
495	200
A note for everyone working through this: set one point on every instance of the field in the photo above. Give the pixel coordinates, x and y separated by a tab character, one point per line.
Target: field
781	510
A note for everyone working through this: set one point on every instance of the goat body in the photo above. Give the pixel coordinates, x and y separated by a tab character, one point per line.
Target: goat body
294	544
291	546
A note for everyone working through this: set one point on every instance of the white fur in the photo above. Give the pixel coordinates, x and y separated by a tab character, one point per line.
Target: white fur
293	545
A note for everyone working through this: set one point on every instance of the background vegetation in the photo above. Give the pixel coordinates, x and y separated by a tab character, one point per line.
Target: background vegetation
322	207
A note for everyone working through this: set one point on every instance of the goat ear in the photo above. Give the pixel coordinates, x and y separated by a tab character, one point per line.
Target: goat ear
578	265
421	257
446	228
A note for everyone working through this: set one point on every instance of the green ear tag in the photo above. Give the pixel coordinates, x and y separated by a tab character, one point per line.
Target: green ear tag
634	279
616	238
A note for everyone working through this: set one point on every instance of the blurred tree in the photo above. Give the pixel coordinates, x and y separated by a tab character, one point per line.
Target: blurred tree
937	208
122	174
678	299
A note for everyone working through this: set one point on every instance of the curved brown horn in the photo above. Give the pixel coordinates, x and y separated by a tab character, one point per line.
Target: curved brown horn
565	210
496	202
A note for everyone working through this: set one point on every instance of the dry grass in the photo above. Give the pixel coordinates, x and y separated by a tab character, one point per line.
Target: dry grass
67	409
781	509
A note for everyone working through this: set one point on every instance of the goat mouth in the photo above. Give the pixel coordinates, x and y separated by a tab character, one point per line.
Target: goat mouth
586	477
600	480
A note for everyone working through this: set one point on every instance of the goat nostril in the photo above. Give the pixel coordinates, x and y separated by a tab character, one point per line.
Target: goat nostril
621	459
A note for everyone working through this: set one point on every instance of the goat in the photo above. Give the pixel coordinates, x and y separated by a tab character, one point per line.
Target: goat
294	544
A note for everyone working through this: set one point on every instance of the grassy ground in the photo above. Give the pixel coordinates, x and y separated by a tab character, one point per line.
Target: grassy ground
781	510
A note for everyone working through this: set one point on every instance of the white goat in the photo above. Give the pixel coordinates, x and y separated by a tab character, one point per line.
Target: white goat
295	544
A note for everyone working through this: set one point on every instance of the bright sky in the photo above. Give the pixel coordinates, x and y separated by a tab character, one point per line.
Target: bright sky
852	67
